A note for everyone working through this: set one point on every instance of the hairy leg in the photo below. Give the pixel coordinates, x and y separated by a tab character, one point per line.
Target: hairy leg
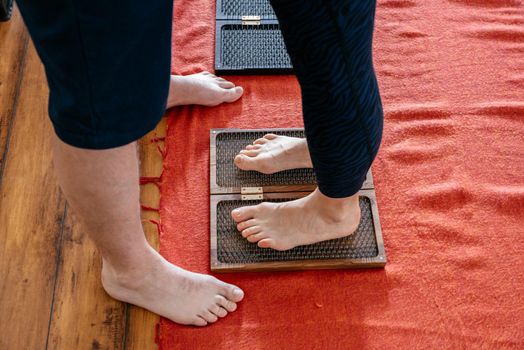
102	188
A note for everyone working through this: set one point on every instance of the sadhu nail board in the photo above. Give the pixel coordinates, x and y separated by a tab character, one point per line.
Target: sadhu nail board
248	39
233	188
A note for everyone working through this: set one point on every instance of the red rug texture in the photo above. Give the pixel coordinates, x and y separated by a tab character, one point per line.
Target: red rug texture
449	179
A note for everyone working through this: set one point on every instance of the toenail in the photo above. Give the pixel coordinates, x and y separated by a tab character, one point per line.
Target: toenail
238	292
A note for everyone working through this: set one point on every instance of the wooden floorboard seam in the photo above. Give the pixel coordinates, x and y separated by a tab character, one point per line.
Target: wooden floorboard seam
57	268
3	158
126	326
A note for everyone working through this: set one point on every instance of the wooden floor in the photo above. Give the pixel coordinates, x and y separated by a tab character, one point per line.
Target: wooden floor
50	292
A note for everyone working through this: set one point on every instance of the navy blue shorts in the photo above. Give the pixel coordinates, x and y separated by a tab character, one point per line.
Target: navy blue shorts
107	64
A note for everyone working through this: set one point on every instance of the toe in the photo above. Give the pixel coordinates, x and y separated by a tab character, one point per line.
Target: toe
224	84
209	316
218	310
244	213
250	147
260	141
270	136
233	94
226	304
221	312
199	321
250	153
245	224
222	80
231	292
256	237
266	243
244	162
251	231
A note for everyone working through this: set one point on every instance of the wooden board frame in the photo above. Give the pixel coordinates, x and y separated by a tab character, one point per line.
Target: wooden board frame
217	266
216	189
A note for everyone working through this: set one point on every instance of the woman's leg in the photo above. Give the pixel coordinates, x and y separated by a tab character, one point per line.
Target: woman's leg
330	45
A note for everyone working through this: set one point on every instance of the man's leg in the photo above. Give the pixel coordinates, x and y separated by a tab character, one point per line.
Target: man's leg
108	68
102	188
329	42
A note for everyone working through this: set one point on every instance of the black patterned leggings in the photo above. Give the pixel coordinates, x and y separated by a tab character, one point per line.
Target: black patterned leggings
330	44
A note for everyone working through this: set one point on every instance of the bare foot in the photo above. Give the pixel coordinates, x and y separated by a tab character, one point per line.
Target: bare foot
307	220
172	292
203	88
274	153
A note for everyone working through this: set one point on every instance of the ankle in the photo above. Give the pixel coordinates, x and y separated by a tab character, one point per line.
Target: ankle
301	149
131	273
173	97
337	210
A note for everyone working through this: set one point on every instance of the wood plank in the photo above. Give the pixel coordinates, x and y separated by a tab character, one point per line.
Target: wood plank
141	324
83	315
13	48
31	218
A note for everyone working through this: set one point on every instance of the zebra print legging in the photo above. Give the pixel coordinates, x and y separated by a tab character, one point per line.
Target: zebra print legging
330	44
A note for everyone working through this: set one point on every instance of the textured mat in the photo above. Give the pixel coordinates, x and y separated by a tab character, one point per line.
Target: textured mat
248	39
227	143
235	9
449	181
233	249
250	49
230	252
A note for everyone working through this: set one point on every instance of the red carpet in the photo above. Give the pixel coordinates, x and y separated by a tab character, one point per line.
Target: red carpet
449	178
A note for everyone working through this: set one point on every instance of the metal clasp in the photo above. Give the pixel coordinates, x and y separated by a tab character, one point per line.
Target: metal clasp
250	20
251	193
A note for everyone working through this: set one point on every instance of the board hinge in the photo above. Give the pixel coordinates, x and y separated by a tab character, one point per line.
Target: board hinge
251	193
250	20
